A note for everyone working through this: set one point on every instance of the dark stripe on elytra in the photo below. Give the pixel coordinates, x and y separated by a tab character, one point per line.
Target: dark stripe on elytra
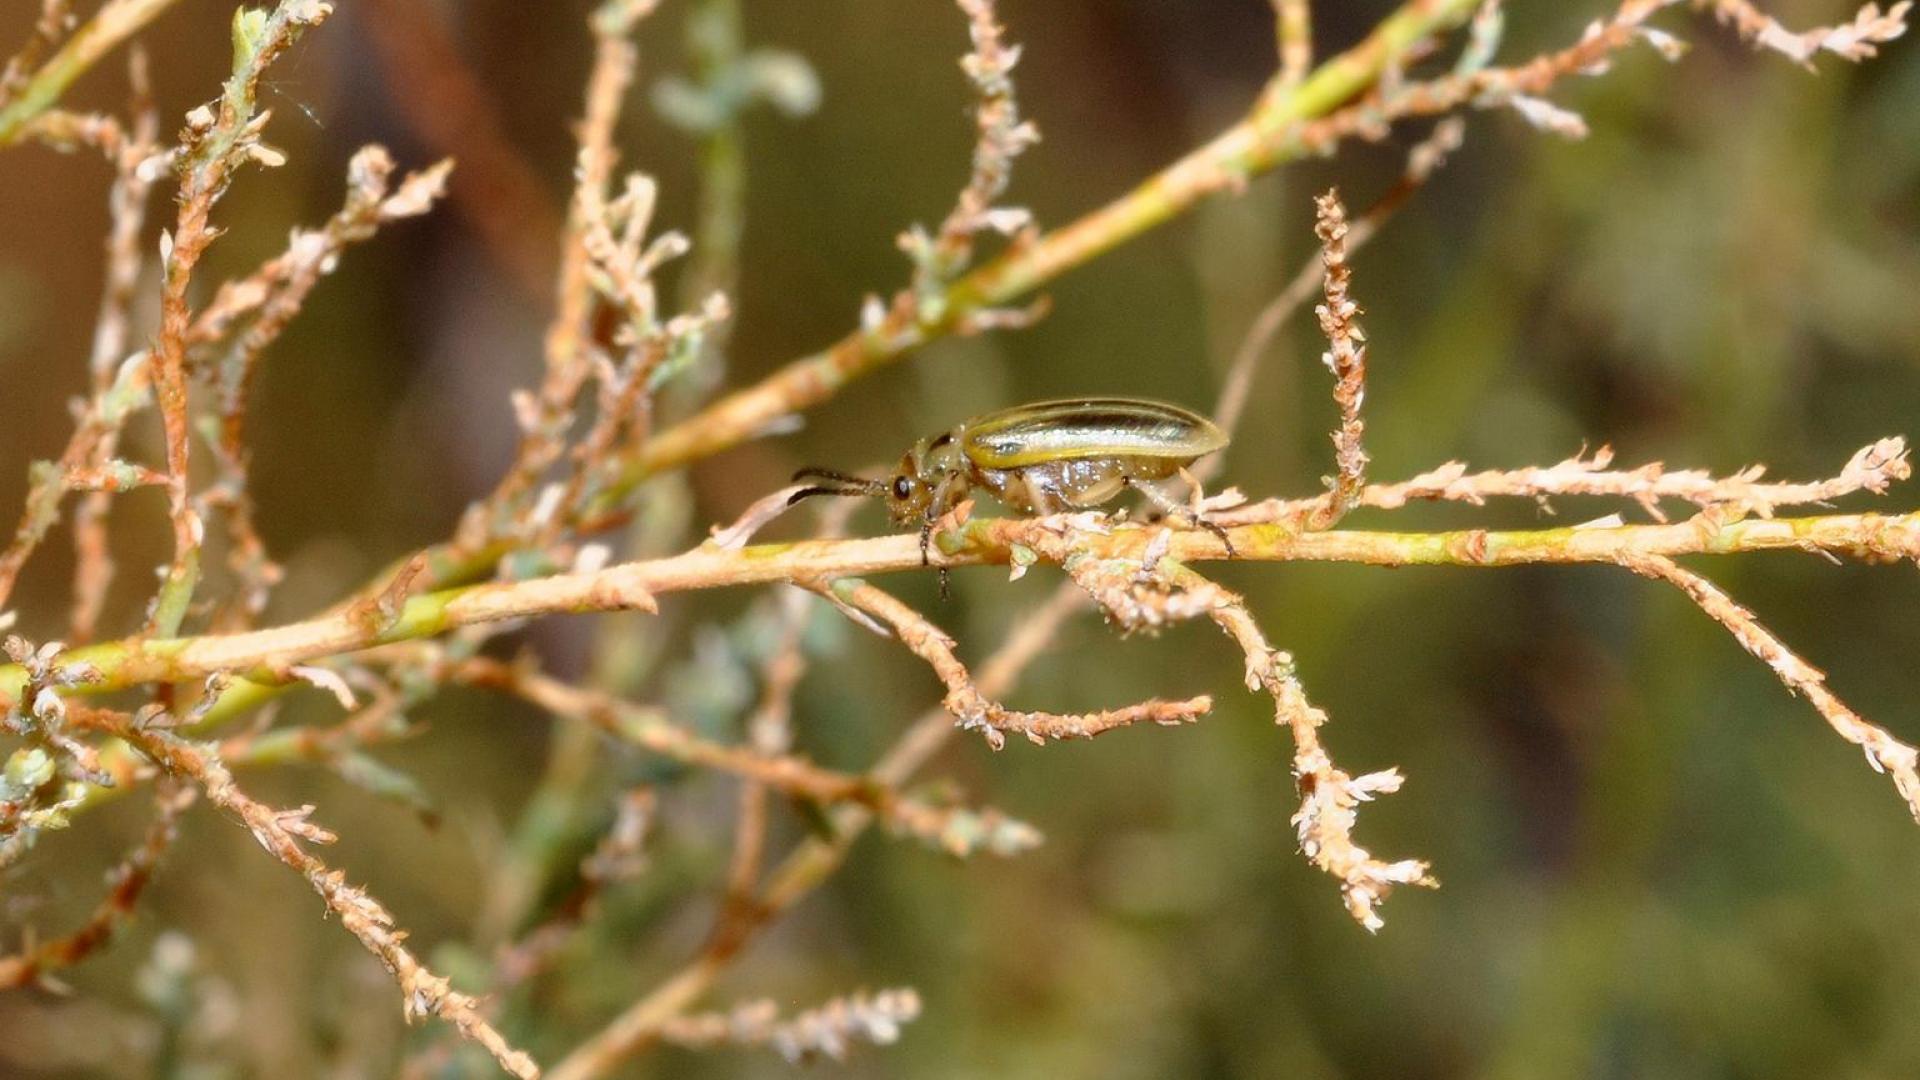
1130	420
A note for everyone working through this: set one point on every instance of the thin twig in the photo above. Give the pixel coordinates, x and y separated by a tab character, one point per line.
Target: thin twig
1884	752
97	421
650	730
1138	574
977	712
1873	468
1293	29
1855	40
813	861
1281	128
1346	357
1002	137
956	830
770	733
281	833
1236	389
48	29
127	209
1521	87
568	367
1329	796
214	143
1311	120
270	298
125	885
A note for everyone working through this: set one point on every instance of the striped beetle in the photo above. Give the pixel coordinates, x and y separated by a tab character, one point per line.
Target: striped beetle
1042	458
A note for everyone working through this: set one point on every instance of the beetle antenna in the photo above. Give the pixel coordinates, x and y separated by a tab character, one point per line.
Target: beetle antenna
809	492
836	483
836	477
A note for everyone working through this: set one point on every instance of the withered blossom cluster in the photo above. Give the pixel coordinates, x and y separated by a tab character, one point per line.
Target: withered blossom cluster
537	545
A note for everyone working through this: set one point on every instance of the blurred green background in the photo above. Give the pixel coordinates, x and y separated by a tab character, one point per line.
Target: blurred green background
1656	863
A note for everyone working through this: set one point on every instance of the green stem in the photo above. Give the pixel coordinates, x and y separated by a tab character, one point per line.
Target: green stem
114	23
265	655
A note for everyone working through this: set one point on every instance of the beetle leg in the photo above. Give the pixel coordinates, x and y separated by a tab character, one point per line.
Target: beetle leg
1041	494
1097	492
926	542
1167	504
1225	540
926	549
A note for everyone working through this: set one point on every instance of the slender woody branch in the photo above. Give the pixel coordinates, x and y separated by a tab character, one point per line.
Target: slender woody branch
1346	358
977	712
215	142
1873	468
266	654
125	883
282	833
1293	32
812	862
651	730
1884	752
1329	796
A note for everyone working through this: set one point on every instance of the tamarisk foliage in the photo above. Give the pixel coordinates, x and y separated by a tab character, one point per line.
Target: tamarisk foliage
178	706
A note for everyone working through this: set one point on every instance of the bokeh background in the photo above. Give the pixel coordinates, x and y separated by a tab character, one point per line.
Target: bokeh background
1656	863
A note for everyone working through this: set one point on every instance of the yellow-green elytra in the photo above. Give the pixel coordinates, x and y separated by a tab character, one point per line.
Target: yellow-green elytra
1041	458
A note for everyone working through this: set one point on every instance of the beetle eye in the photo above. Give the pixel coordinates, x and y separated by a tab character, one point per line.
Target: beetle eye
902	488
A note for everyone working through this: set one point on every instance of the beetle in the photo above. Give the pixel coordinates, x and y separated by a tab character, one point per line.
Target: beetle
1042	458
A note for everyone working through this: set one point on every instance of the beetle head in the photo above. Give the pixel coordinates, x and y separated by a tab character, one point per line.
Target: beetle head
908	491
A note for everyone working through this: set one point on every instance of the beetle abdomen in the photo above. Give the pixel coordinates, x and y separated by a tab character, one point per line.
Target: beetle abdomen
1088	427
